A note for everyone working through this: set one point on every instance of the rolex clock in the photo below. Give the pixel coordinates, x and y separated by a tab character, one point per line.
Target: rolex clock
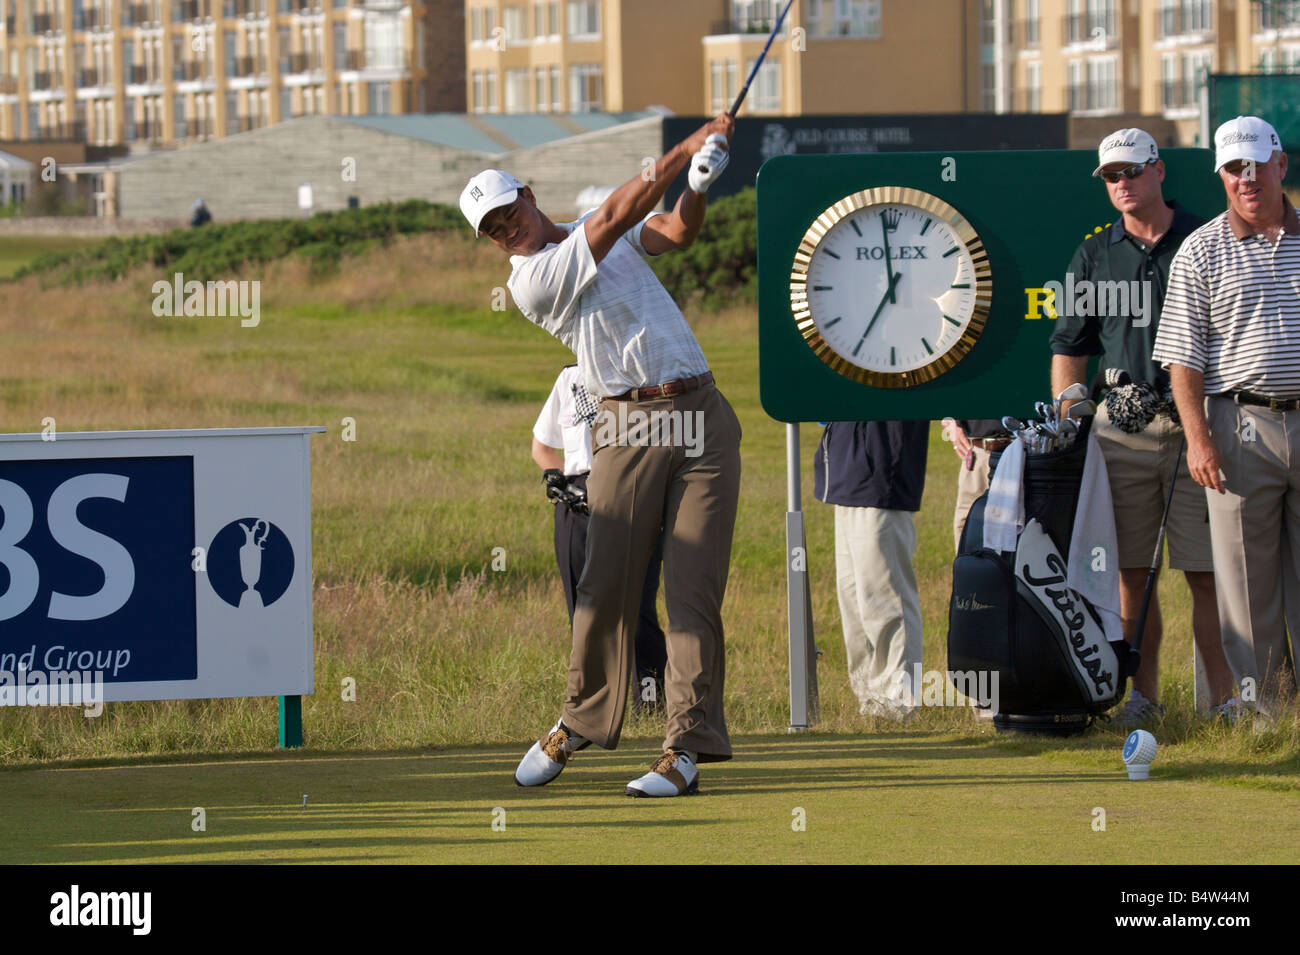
891	287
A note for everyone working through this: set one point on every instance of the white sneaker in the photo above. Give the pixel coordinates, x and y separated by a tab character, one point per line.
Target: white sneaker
548	756
673	774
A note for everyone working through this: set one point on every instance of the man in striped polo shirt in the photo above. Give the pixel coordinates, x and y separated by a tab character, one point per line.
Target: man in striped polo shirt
665	451
1230	337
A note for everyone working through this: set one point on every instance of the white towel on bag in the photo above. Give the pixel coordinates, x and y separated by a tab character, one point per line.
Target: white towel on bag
1093	544
1004	512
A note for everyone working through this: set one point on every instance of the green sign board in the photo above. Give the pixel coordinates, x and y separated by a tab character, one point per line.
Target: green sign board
1027	212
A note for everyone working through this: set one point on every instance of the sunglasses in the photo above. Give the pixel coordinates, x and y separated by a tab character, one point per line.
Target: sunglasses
1238	166
1128	172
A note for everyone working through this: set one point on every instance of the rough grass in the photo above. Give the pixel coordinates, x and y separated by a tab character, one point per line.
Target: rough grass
444	389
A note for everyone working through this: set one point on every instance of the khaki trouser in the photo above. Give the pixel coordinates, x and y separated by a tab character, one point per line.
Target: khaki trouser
633	490
880	609
970	485
1255	534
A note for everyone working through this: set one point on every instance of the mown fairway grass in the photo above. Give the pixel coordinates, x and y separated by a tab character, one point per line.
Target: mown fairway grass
447	654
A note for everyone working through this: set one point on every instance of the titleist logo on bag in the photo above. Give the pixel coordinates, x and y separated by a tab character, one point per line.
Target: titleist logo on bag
1040	567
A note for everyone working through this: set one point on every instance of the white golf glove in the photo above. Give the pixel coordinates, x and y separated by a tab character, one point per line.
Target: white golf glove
708	163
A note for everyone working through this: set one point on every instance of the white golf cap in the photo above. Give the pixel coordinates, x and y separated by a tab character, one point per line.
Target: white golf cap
1246	137
490	189
1129	146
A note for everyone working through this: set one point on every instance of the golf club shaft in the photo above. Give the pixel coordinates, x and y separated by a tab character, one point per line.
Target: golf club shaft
735	107
744	90
1155	558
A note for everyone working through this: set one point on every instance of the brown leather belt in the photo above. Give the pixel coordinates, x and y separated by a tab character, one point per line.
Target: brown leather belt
990	444
1273	404
668	389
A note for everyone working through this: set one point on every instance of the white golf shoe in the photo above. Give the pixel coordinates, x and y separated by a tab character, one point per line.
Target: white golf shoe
547	758
673	774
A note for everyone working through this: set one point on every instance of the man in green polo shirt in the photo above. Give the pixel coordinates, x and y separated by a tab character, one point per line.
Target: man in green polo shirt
1113	295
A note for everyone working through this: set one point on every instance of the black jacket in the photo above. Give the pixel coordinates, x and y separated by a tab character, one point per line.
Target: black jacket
872	464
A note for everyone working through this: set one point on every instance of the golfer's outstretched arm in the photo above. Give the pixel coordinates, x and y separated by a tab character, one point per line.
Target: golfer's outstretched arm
637	198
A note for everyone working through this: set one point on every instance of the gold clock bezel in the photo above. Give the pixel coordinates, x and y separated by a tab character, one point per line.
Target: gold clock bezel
865	199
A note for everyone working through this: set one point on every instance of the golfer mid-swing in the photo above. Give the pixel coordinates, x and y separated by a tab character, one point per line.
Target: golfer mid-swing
586	283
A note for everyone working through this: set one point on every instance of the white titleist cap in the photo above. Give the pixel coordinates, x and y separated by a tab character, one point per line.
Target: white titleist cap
490	189
1246	137
1130	146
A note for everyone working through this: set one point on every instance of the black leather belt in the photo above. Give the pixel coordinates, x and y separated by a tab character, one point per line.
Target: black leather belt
1272	404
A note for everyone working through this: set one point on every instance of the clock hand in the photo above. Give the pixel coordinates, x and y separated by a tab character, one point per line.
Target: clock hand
885	229
879	308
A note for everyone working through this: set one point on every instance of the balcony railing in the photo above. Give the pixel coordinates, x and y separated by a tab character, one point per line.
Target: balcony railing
78	130
1091	96
88	77
191	70
1277	15
356	60
41	80
10	24
140	13
1180	93
761	27
1026	34
1089	27
42	22
1179	21
190	10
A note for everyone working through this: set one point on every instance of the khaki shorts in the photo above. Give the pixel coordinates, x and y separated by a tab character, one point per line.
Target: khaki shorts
1140	466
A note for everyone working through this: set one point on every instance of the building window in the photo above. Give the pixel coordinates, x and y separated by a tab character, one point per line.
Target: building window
1101	84
1033	87
1196	67
232	60
379	98
476	24
1074	79
584	19
540	90
1169	92
341	47
490	91
1196	16
557	104
384	49
517	91
586	93
286	102
716	94
476	91
539	20
512	18
765	94
1032	21
128	120
553	18
181	132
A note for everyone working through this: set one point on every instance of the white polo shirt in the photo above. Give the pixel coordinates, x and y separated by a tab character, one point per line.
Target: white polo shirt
558	426
616	316
1232	308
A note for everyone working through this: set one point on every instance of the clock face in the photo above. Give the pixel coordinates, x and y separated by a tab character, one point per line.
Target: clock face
891	287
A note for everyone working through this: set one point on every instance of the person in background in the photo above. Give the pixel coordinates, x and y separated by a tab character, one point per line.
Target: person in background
973	440
1230	337
199	214
873	472
1138	249
564	425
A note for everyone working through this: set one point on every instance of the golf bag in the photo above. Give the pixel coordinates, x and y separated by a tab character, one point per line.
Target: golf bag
1013	614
